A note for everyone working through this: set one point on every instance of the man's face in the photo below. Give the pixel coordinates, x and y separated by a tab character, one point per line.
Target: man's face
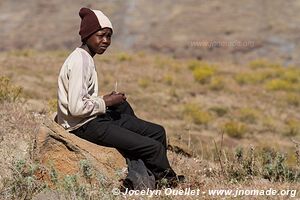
99	41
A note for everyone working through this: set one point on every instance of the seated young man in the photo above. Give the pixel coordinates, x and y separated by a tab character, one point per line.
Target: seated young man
106	120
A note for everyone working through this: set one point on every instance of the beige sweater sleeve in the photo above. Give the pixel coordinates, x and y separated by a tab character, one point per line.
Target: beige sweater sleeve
80	102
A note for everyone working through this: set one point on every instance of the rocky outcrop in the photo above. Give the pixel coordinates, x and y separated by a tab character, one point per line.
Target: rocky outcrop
54	147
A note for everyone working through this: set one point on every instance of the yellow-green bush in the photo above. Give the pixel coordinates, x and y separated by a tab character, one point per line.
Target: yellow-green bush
202	71
269	123
23	53
261	76
168	79
250	78
220	111
143	82
177	67
141	54
8	91
235	129
248	115
194	64
293	99
173	93
59	53
262	63
203	75
196	114
159	62
291	75
271	73
279	84
104	59
124	57
164	61
216	83
292	127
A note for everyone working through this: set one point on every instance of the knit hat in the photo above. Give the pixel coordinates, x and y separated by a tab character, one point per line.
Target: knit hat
91	22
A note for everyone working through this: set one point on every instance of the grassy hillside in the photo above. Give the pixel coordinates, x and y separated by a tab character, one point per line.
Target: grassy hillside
175	27
240	123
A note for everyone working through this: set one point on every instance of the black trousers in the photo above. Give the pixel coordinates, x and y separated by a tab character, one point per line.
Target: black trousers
132	137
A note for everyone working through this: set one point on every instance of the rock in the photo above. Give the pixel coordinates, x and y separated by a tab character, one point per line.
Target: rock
55	147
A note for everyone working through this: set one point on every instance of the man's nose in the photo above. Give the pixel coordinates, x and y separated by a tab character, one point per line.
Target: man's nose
106	40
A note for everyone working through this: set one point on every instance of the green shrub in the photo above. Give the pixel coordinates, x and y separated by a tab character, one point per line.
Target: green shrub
86	169
275	168
291	75
262	63
202	71
70	183
59	53
23	53
174	93
269	123
105	59
279	84
29	179
267	164
248	115
250	78
124	57
176	67
220	111
168	79
292	127
204	74
235	129
243	166
293	99
196	114
144	82
271	73
24	182
216	83
141	54
160	62
8	91
262	76
53	175
194	64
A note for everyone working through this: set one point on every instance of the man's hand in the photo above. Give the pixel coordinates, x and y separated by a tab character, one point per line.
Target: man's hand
114	98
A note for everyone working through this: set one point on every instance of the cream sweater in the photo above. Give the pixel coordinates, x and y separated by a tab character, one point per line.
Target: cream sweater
78	100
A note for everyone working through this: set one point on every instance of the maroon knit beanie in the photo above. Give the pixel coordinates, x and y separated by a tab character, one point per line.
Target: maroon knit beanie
91	22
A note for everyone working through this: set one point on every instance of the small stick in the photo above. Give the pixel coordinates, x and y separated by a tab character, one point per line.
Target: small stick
189	134
219	156
222	133
116	86
295	142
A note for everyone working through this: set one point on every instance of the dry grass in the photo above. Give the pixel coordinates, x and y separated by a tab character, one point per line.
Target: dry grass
158	87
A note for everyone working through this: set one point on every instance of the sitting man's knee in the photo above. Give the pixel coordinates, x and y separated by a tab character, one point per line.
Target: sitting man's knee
162	135
161	130
157	145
